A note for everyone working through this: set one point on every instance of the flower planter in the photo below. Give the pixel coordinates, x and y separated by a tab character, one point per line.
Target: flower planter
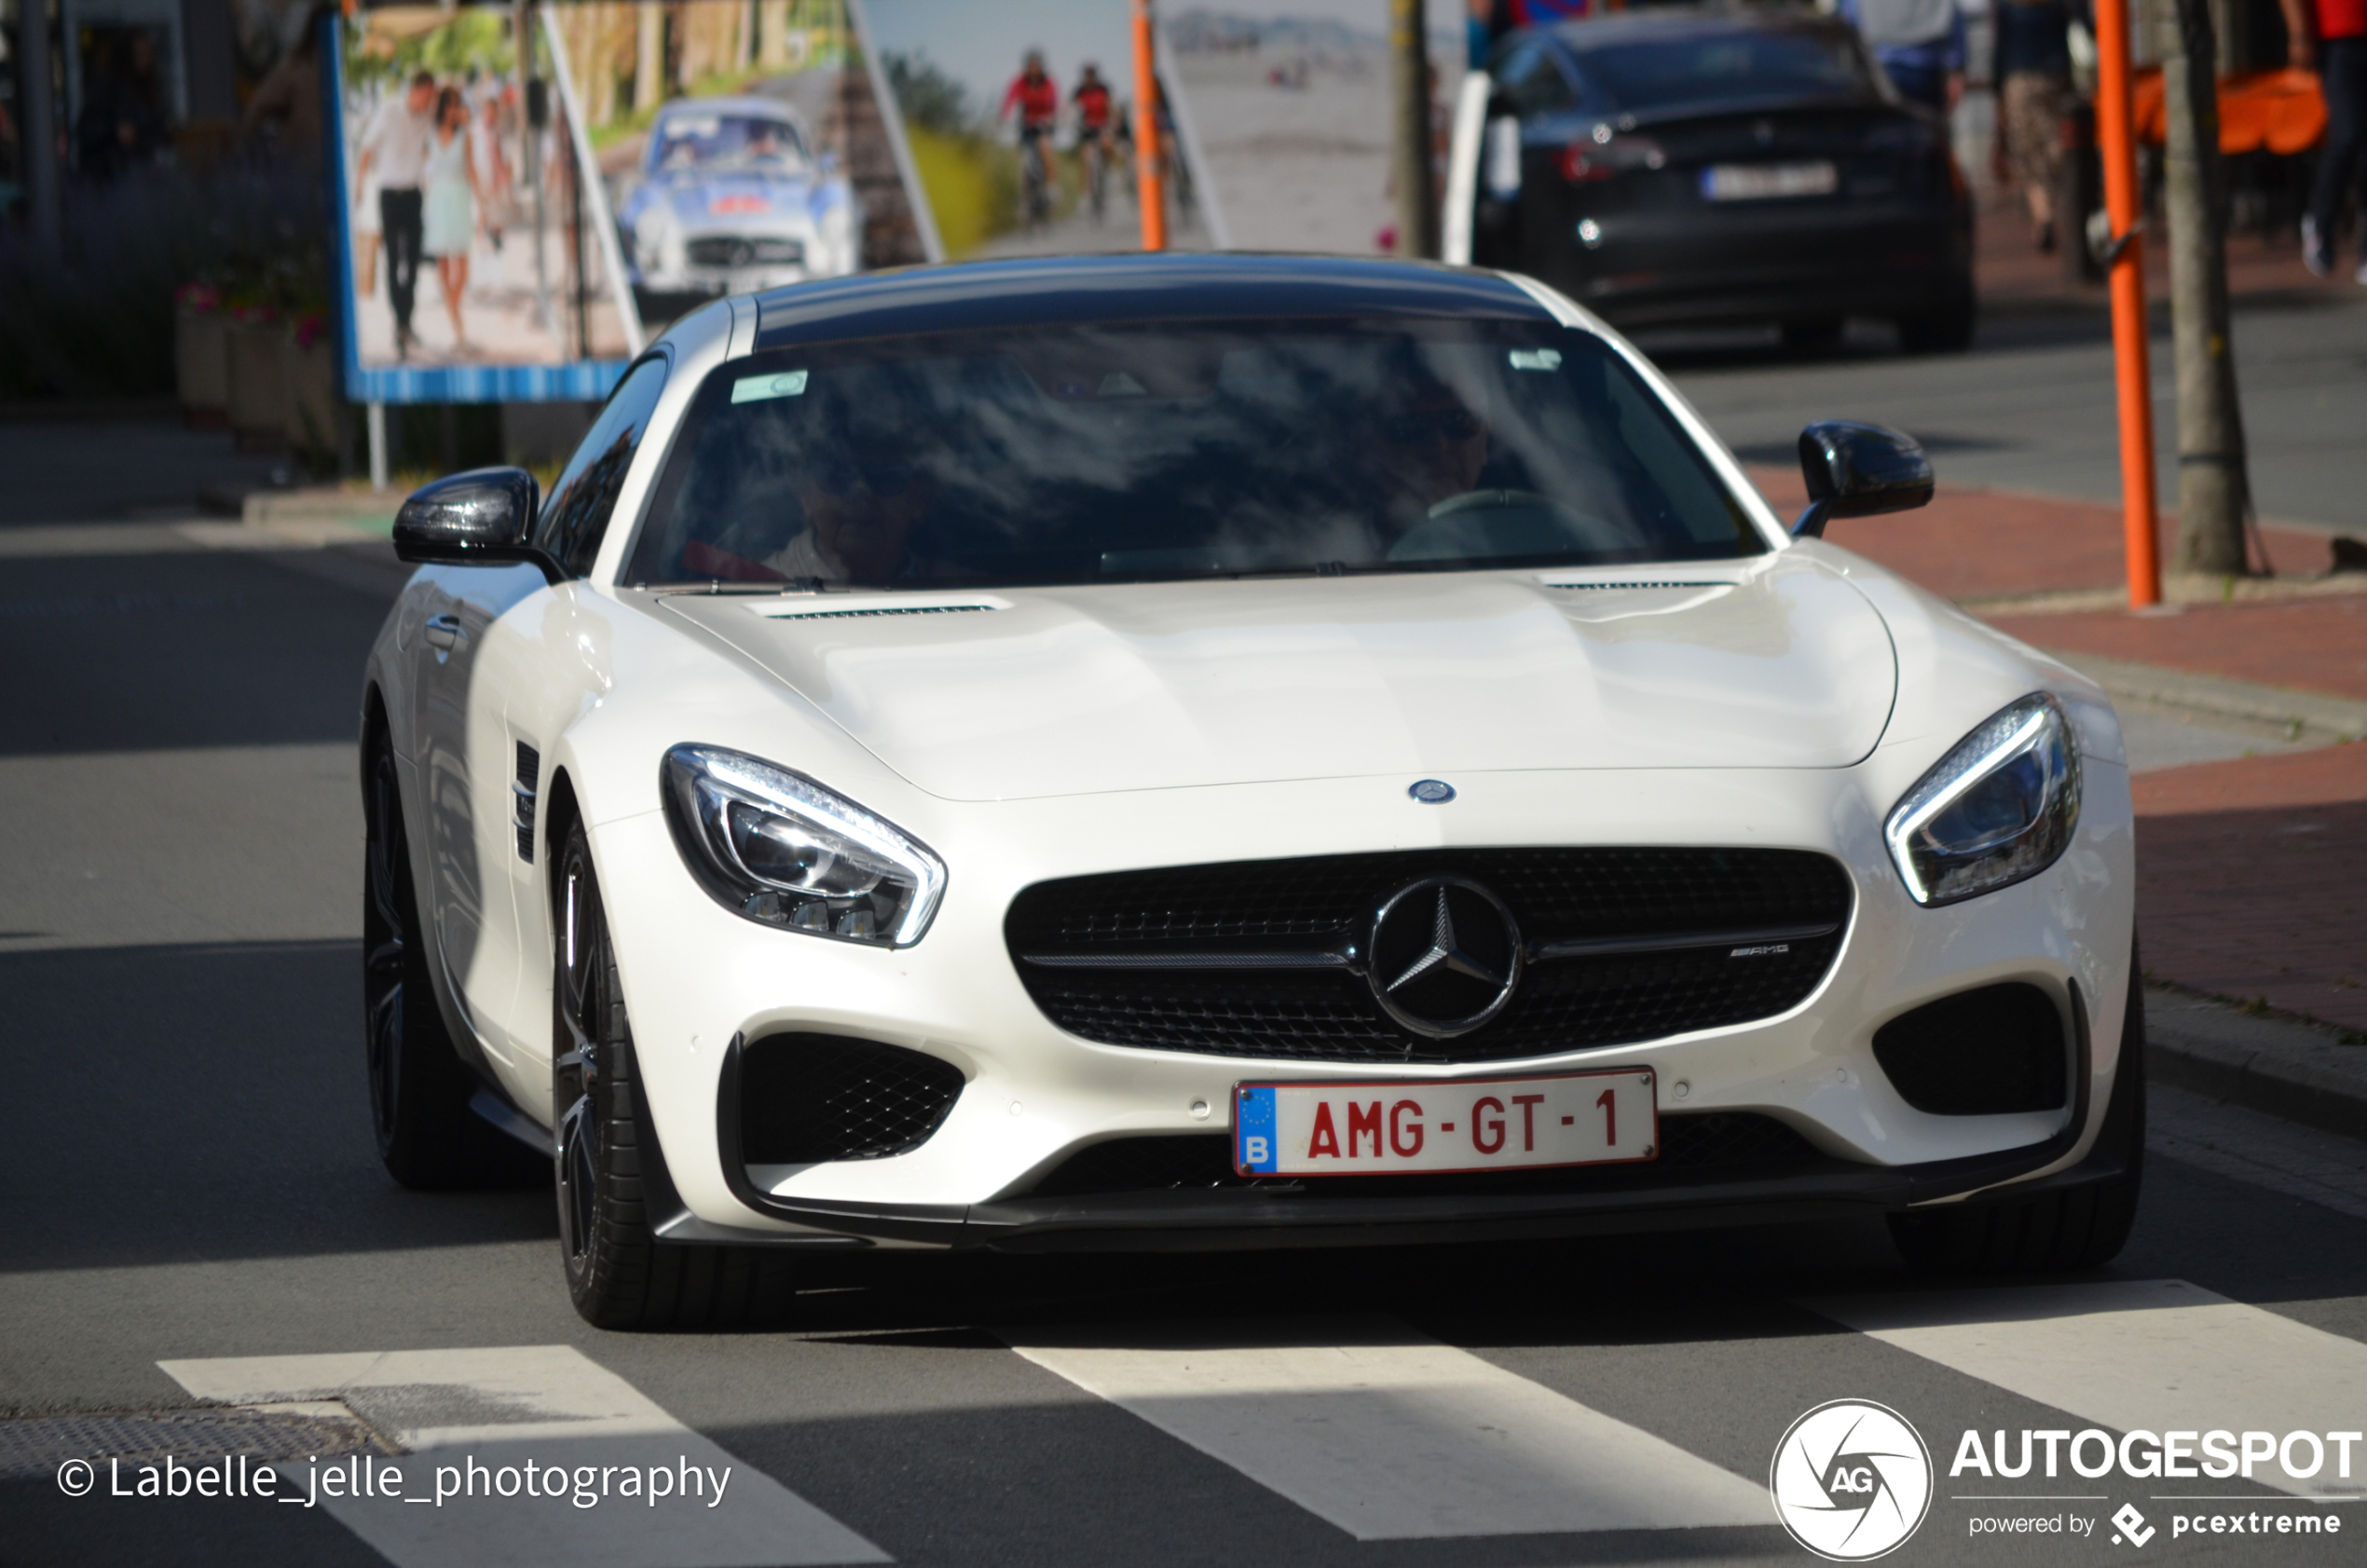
201	364
309	371
258	402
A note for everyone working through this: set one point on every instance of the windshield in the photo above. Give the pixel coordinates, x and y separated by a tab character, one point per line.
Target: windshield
1115	453
1738	66
724	141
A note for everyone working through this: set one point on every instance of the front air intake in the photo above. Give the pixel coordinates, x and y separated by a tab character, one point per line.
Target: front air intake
1980	1052
806	1099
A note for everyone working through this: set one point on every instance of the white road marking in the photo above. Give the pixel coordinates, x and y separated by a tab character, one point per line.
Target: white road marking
548	1404
2151	1355
1393	1435
2324	1167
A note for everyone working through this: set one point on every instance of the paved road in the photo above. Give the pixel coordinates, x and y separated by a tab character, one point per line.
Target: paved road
2031	408
196	1216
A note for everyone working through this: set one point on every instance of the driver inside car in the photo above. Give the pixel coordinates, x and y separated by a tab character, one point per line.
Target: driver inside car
1432	449
861	498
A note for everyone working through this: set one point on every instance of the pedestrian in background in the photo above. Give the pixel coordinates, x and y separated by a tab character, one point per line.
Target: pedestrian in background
1920	44
1487	21
2338	52
2032	66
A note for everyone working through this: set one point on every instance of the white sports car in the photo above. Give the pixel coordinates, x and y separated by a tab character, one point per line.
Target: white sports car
731	197
1221	752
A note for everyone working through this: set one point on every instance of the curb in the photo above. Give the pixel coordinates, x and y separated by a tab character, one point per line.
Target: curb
2310	715
2298	1072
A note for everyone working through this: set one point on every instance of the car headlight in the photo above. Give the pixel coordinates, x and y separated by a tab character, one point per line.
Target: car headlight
1997	808
776	848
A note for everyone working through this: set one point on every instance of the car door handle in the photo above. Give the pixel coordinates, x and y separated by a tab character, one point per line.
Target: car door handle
443	631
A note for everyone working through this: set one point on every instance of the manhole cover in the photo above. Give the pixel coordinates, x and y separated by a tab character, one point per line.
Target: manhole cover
37	1445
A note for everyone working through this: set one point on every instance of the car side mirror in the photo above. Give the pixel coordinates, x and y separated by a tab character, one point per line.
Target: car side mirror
1858	470
481	518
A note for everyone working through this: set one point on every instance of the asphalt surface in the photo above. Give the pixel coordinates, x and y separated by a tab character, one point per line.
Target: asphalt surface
191	1182
2031	407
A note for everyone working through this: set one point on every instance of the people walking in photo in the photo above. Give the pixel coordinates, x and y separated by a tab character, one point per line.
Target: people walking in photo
450	179
2032	70
1920	43
491	167
395	149
2336	48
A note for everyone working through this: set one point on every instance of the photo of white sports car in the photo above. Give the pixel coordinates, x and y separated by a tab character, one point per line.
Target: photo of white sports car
1221	752
731	197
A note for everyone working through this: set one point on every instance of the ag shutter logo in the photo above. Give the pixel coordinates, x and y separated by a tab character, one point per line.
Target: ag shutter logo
1852	1480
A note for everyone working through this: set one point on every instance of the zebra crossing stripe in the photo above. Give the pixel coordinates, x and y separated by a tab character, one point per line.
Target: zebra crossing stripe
1393	1435
467	1416
2151	1355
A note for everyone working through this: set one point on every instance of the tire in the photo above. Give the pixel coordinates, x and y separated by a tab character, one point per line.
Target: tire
2080	1228
1946	330
420	1089
619	1274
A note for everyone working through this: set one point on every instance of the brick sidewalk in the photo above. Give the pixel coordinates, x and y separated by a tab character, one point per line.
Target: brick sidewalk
1979	544
2315	645
2252	879
2008	269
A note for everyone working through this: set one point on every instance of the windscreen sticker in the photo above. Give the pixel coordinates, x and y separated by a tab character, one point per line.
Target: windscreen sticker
1536	359
757	388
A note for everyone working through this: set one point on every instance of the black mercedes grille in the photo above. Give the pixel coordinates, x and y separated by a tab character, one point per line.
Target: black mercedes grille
1263	958
732	250
1715	1146
809	1098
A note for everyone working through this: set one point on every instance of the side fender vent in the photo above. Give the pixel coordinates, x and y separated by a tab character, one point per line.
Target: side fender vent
522	790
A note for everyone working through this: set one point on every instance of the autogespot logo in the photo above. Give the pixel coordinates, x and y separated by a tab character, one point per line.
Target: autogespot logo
1852	1480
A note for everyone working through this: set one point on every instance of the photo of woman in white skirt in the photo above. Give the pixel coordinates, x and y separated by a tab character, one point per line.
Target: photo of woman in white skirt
452	203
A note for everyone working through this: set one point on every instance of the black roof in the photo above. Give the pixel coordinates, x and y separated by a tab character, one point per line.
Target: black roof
1166	286
1683	22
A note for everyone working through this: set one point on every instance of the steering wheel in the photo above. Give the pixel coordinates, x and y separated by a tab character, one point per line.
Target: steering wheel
1500	523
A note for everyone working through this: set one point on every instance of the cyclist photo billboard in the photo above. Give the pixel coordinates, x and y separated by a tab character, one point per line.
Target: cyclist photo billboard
1020	162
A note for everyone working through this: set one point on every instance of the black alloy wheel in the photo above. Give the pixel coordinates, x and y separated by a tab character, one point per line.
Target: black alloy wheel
2078	1228
619	1274
419	1090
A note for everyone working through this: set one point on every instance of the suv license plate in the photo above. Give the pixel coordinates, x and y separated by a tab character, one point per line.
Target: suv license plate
1761	182
1463	1125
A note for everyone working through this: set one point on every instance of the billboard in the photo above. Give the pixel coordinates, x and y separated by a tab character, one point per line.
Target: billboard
526	194
1014	161
1294	104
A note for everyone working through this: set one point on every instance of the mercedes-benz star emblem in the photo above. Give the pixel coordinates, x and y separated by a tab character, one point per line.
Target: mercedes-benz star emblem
1444	956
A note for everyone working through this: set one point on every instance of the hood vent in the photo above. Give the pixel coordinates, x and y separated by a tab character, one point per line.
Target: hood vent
1652	584
833	608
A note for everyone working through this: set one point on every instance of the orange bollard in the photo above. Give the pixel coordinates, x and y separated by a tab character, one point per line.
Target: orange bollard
1150	192
2117	139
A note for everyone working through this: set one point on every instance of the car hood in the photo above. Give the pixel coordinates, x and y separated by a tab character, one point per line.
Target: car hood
1021	693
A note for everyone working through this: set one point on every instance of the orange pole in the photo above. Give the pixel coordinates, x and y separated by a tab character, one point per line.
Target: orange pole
2116	137
1149	193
